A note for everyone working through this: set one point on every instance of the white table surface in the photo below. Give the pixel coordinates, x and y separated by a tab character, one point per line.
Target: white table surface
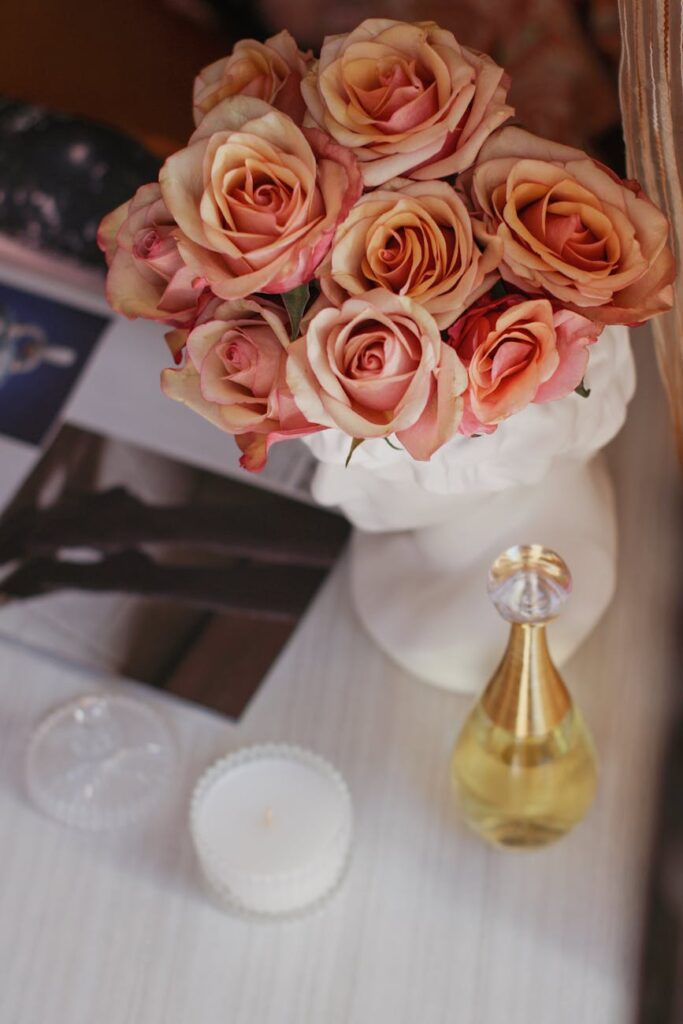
431	925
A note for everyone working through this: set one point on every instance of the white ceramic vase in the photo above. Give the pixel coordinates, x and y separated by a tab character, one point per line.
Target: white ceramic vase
426	533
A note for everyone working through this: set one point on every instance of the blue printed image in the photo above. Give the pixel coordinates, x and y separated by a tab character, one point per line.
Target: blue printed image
44	346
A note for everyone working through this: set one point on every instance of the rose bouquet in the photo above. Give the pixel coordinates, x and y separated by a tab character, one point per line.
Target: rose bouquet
361	242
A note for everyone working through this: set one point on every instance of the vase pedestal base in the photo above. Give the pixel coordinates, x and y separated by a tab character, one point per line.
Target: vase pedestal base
421	594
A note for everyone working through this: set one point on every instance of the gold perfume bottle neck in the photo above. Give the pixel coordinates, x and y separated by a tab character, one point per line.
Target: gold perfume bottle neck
526	695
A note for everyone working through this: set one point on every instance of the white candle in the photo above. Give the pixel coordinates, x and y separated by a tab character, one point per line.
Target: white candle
272	828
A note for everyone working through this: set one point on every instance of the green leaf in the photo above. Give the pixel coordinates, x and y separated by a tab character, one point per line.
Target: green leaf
295	304
582	390
396	447
354	444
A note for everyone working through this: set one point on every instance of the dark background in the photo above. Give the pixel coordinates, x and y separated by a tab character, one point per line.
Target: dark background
131	63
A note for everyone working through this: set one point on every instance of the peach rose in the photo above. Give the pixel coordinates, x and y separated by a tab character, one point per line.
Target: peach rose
407	98
256	199
377	366
518	350
571	228
270	71
235	377
146	275
415	240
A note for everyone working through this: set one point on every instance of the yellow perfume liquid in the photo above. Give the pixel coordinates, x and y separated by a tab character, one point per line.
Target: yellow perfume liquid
524	768
523	791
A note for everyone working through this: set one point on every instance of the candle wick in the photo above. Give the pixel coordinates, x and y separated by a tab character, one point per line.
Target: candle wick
268	817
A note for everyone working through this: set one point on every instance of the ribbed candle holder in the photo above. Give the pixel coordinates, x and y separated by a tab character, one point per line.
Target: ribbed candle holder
272	828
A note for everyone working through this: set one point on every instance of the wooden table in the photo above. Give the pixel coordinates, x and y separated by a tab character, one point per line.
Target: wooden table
430	926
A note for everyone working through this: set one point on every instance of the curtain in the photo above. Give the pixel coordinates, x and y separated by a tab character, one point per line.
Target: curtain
651	93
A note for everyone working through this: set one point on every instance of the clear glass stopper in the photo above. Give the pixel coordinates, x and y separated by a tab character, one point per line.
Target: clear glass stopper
529	584
99	761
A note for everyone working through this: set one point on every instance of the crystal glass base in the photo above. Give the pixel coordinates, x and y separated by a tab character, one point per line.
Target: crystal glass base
99	761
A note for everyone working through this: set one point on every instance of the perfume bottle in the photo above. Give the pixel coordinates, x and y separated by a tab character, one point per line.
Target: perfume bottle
524	766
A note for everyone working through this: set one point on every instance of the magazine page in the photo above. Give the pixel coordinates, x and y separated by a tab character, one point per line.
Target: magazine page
129	562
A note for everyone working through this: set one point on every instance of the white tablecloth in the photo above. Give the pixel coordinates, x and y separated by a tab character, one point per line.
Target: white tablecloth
431	926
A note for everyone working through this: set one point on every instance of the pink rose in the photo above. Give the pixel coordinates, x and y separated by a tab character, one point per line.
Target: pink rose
270	71
407	98
414	240
570	227
377	366
146	275
256	198
235	377
518	350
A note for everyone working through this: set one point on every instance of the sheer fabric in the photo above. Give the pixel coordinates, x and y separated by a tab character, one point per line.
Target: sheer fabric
651	92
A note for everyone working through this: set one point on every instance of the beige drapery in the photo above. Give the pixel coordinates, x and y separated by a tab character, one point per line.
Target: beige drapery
651	93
